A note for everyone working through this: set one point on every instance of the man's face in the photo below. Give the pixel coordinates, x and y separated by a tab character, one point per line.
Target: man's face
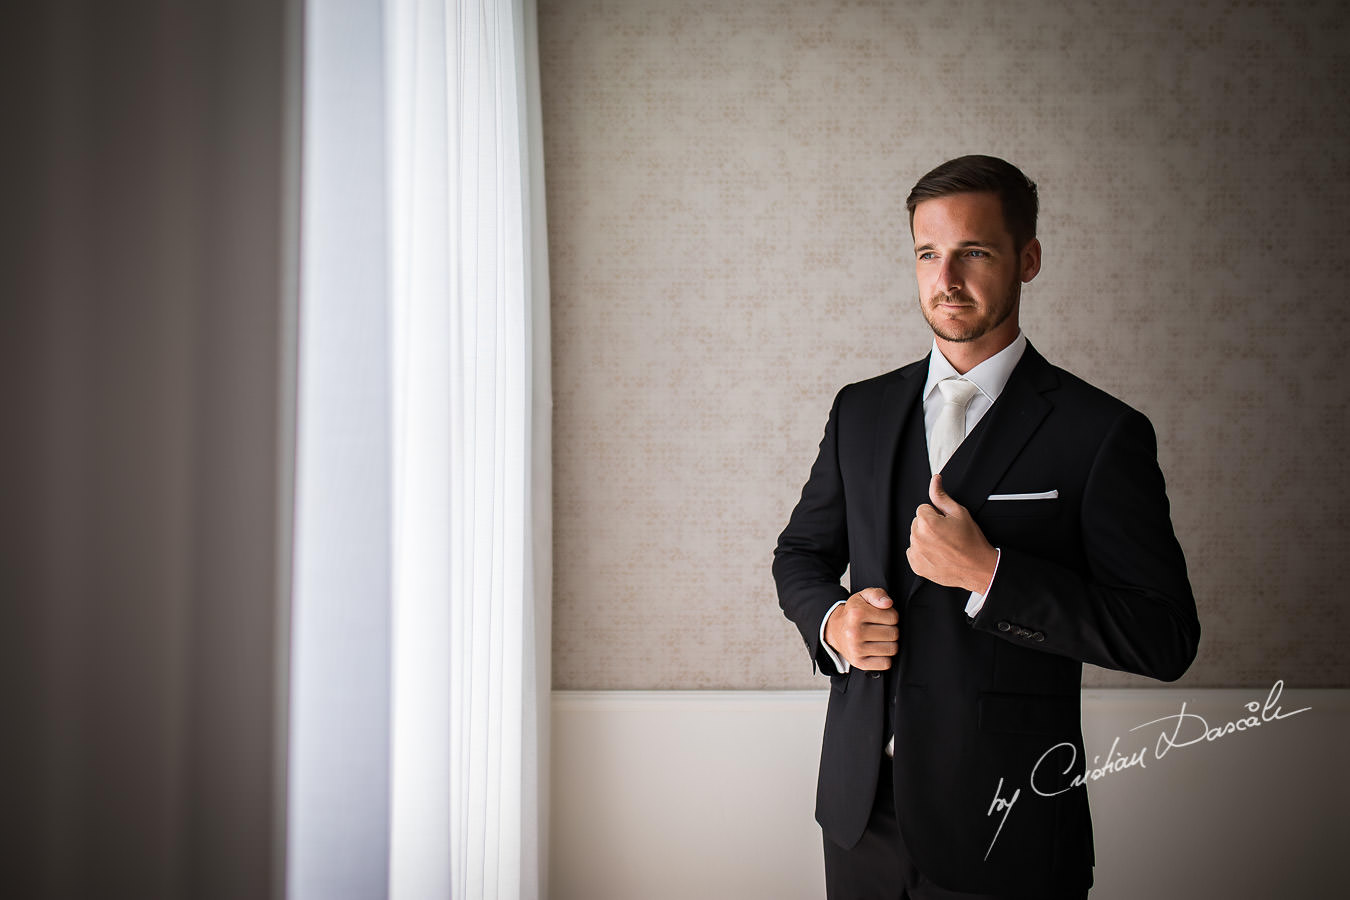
969	272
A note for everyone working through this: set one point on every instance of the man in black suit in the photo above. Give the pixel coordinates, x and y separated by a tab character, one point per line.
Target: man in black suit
1003	522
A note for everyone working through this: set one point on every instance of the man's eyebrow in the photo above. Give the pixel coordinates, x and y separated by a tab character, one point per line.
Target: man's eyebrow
988	244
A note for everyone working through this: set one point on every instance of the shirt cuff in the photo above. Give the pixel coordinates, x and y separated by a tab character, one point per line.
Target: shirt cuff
840	665
976	601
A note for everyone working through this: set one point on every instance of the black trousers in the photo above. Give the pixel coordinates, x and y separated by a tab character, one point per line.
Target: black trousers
879	866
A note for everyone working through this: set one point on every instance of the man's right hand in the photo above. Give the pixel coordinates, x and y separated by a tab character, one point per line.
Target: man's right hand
865	631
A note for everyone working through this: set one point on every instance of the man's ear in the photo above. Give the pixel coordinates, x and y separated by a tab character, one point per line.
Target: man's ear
1030	260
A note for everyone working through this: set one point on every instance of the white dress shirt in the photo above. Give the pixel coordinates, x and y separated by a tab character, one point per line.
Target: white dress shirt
990	376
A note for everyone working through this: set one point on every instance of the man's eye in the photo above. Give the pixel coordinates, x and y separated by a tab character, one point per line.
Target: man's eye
927	254
978	254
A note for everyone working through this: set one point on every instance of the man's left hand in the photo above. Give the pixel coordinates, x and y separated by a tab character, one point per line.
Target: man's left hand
947	547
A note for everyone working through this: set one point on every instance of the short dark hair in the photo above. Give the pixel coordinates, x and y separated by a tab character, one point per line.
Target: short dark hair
974	174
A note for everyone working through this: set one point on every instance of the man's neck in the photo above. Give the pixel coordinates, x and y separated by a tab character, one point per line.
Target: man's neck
966	355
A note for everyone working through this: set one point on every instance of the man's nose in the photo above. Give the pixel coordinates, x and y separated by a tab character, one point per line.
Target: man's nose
949	276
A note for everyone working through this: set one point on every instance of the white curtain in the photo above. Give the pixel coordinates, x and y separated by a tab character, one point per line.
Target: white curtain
419	676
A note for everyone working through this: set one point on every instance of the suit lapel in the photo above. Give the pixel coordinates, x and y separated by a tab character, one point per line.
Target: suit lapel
982	459
977	465
898	400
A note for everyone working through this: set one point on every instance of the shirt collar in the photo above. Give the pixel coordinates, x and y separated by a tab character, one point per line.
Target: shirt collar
990	376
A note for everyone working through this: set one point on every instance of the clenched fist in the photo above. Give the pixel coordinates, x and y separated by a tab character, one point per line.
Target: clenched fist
946	546
865	631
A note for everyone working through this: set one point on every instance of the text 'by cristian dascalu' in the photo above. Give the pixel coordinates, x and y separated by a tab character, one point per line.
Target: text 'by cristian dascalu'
1184	729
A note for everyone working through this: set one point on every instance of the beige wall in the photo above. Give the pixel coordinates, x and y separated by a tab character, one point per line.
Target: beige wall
729	247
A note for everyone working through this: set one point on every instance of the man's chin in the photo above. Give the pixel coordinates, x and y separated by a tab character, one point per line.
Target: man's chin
957	336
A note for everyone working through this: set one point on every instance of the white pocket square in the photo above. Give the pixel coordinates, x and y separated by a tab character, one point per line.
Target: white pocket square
1043	495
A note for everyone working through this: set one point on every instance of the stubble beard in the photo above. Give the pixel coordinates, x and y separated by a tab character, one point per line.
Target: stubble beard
975	330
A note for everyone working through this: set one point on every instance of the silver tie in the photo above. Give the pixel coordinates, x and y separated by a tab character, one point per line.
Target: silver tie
950	429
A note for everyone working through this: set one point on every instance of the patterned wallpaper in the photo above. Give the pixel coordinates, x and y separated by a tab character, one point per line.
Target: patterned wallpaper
729	246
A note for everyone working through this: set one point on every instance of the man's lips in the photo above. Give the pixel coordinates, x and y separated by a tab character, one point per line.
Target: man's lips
942	300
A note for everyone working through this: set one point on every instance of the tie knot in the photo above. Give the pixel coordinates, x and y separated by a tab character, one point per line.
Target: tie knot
958	391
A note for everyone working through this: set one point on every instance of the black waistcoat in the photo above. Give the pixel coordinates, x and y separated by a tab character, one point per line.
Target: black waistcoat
912	477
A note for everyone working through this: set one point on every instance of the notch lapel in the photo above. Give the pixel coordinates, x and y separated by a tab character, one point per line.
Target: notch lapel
978	464
976	467
900	395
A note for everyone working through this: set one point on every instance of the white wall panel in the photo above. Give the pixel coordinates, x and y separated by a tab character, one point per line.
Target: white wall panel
710	794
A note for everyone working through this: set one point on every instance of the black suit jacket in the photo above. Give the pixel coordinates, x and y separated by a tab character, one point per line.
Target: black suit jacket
1094	575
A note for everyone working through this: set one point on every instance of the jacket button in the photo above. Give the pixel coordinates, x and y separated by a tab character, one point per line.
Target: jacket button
873	674
1004	626
1038	637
